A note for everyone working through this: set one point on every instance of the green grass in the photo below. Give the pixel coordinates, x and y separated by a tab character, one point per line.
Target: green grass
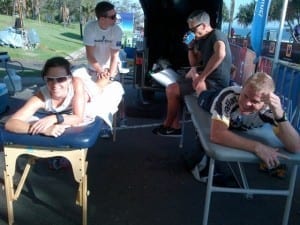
55	40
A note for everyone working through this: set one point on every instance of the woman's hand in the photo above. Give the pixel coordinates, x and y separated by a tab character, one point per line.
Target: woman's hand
55	130
42	124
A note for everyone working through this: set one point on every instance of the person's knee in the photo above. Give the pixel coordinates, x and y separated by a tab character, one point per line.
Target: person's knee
173	90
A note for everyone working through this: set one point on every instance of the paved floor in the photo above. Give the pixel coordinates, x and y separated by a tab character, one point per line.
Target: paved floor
140	179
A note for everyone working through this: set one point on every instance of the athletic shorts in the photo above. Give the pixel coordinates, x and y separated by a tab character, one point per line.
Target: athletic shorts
206	98
185	86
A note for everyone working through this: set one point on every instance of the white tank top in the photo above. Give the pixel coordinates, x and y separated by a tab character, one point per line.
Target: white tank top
65	107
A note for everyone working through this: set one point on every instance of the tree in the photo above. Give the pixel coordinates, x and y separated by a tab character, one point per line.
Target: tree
6	7
87	10
292	15
19	7
225	13
245	14
293	11
65	14
232	4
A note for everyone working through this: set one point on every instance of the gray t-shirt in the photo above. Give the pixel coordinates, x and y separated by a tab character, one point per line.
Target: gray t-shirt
219	78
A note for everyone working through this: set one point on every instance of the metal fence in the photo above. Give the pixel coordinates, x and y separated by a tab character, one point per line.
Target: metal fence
285	74
287	83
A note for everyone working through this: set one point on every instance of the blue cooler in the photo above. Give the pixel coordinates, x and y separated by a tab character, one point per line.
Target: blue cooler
3	97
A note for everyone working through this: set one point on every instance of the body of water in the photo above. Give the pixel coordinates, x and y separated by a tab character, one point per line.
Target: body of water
270	33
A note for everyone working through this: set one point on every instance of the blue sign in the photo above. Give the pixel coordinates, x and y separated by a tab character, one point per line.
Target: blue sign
258	25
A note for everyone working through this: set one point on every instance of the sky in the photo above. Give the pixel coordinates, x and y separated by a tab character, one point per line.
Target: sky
244	2
236	7
237	4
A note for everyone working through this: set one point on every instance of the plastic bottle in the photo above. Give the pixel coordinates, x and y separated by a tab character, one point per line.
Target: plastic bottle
13	81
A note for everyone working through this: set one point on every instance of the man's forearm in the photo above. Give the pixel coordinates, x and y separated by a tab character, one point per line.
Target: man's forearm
289	136
211	65
113	68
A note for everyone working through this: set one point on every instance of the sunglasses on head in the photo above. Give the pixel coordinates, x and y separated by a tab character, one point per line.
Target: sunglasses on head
56	79
112	17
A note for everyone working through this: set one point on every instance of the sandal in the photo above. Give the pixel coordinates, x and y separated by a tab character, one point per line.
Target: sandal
279	171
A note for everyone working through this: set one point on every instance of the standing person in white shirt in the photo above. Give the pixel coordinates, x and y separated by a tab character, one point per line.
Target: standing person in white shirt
102	39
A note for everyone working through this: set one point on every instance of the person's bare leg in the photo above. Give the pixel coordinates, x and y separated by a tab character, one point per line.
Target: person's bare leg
173	106
176	122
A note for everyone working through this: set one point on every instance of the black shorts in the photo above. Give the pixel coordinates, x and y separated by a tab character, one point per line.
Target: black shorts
185	86
206	98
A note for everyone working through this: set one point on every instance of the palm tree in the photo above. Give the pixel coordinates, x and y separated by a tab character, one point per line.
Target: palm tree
245	14
232	4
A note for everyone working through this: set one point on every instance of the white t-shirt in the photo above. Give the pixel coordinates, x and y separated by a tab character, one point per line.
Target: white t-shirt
104	40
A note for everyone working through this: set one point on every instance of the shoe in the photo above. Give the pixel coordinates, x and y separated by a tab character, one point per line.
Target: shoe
200	173
167	131
58	163
156	129
196	174
170	132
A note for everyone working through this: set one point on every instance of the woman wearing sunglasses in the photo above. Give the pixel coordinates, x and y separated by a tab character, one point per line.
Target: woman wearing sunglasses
64	101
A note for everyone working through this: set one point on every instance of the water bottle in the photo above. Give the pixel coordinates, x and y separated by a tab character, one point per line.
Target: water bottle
13	81
188	37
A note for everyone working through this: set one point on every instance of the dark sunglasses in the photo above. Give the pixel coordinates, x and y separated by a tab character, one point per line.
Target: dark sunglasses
193	29
56	79
112	17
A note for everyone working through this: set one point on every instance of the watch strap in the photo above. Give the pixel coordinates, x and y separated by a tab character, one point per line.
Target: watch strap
59	118
282	119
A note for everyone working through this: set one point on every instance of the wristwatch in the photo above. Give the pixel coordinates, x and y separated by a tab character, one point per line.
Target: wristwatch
60	118
282	119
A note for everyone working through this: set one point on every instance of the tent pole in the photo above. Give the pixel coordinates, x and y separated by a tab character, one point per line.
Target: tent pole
279	37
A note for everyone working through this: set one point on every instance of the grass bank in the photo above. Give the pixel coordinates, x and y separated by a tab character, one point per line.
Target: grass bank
55	40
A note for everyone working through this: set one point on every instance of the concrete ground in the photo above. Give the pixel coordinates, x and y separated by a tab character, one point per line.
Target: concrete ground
140	179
